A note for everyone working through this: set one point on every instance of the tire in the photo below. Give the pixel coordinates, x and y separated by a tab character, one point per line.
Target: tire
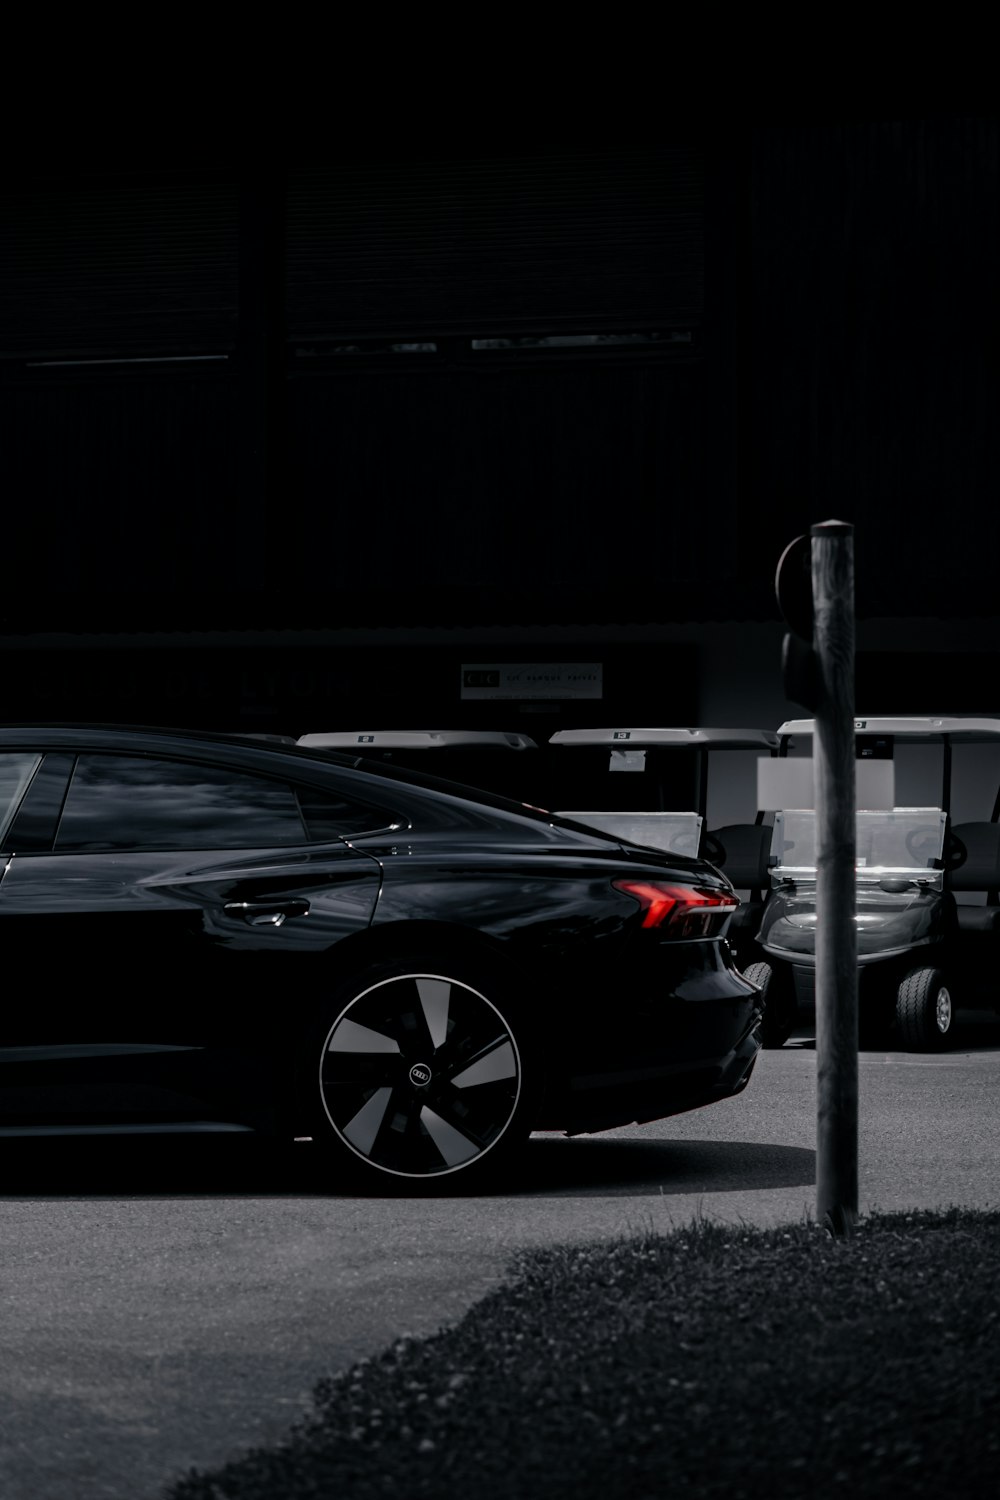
778	997
924	1011
421	1075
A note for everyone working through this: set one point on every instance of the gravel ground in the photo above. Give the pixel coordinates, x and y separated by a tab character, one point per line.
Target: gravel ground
714	1361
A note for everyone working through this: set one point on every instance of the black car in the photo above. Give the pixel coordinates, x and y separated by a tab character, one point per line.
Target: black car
210	932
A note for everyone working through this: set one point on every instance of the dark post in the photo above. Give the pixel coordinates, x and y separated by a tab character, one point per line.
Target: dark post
832	548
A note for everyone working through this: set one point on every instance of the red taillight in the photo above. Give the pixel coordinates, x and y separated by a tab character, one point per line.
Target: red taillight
683	910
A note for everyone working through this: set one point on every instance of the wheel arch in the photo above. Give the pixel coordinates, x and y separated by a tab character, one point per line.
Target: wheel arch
395	939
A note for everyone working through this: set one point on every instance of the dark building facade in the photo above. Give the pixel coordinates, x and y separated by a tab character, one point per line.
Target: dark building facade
299	437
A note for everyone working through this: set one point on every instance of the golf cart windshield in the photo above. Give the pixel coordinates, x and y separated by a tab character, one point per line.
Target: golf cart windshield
673	832
901	838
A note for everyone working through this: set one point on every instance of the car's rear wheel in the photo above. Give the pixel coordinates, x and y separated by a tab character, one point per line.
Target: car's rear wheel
420	1071
777	995
924	1010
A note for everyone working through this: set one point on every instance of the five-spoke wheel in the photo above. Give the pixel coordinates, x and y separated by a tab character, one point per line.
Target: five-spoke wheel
420	1074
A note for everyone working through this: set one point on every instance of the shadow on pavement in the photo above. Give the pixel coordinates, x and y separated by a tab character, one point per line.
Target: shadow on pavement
623	1168
548	1166
162	1167
973	1031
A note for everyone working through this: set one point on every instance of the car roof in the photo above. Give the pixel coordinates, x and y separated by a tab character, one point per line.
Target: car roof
952	728
715	739
138	735
373	778
144	739
417	739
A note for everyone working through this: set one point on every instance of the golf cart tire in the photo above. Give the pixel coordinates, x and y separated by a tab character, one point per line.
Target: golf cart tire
778	996
923	1010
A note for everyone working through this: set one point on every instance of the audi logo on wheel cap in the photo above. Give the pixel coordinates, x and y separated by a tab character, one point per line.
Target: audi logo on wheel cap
420	1074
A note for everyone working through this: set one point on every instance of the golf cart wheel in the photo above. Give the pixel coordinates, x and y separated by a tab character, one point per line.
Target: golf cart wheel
924	1010
419	1070
778	999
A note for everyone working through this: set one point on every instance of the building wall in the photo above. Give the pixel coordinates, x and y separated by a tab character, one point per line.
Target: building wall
247	396
873	377
290	430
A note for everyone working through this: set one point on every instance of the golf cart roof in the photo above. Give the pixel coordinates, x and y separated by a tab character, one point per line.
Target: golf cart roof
643	739
417	739
911	728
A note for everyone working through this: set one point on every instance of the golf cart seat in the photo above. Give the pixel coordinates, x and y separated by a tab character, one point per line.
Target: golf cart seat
741	851
978	871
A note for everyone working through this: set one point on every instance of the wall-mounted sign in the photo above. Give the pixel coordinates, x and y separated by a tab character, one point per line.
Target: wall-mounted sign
523	680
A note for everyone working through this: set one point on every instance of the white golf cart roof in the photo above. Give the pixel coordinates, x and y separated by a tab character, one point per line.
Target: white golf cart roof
647	739
911	729
417	739
677	832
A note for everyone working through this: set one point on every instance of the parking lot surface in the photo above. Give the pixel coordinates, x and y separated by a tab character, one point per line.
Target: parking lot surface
176	1306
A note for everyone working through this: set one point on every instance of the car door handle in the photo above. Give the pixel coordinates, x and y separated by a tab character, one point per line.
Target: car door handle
267	913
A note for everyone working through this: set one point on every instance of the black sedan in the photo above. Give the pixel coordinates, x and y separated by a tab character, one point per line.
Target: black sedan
208	933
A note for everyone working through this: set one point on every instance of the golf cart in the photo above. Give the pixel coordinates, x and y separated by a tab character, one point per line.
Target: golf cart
647	807
495	761
917	946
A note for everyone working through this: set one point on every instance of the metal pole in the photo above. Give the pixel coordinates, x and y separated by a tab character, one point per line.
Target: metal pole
701	779
832	555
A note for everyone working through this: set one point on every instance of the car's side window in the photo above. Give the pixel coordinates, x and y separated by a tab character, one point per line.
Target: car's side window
16	770
143	802
328	815
34	825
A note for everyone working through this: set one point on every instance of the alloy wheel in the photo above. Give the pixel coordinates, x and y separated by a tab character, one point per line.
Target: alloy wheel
420	1075
942	1010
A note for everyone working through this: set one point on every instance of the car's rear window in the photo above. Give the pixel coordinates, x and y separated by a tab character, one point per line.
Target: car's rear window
146	802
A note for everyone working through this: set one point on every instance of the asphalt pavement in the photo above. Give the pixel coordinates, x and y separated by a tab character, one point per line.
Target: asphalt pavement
176	1306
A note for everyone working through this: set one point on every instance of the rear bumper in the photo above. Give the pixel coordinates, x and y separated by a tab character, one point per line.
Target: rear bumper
646	1055
634	1101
